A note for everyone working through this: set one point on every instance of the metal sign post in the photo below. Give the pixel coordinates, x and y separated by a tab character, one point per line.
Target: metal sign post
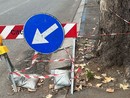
3	52
72	68
11	69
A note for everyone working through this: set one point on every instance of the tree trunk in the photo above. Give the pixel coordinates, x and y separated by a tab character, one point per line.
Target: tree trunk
115	49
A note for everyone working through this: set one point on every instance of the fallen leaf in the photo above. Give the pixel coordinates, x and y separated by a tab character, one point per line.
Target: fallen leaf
51	86
104	75
81	60
98	69
87	69
79	88
76	65
124	86
110	90
83	82
49	96
89	84
80	49
94	28
81	52
31	90
82	65
94	18
108	79
99	85
88	45
97	77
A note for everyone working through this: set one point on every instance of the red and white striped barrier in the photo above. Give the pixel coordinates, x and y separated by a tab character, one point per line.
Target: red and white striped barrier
35	56
40	77
37	61
56	60
16	31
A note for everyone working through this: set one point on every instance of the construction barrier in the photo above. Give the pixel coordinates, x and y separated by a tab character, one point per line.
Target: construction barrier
16	32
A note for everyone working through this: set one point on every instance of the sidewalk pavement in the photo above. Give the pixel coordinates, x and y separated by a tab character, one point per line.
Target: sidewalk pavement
88	22
98	93
89	19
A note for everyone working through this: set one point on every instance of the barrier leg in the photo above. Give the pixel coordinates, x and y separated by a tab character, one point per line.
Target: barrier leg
3	52
11	69
72	68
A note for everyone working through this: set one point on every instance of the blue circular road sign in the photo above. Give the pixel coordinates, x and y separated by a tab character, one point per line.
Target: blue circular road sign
44	33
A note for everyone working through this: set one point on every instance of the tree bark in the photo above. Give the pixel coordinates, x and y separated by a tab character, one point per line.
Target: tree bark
115	50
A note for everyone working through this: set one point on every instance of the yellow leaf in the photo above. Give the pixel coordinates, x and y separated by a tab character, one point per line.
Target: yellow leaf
82	65
99	85
98	69
90	84
97	77
51	86
108	79
124	86
31	90
80	49
76	65
87	69
104	75
88	45
79	88
110	90
49	96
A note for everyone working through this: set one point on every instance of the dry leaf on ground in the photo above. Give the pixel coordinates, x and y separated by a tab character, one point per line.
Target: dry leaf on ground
110	90
104	74
99	85
31	90
83	82
108	79
76	65
79	88
88	45
124	86
51	86
98	69
49	96
89	84
80	49
97	77
82	65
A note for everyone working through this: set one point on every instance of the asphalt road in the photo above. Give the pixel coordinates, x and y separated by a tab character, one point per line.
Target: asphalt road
17	12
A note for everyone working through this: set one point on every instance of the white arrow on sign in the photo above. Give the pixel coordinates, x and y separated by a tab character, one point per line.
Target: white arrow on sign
39	38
